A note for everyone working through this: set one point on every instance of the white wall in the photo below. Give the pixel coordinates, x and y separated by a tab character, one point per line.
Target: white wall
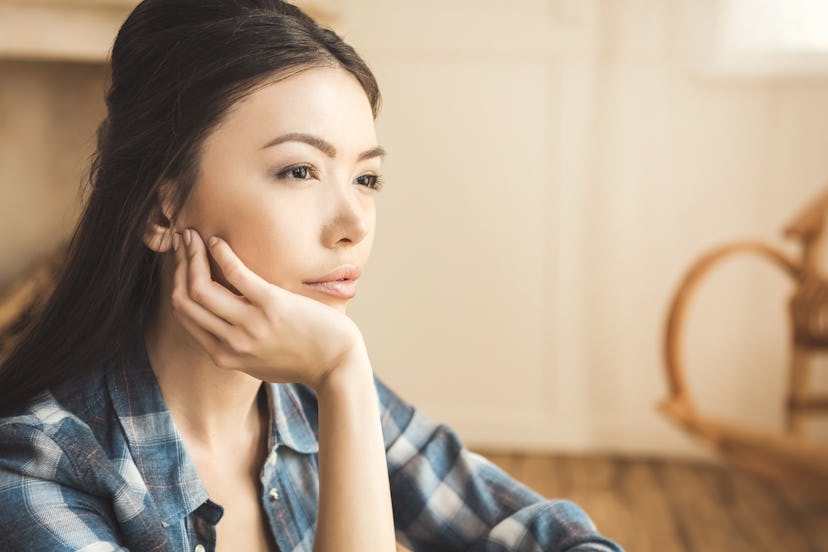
555	167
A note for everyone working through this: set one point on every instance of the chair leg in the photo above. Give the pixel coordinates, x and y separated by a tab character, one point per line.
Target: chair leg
797	388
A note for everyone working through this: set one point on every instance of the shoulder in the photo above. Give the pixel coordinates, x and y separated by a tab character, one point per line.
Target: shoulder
398	417
52	437
32	440
62	412
67	478
54	479
36	470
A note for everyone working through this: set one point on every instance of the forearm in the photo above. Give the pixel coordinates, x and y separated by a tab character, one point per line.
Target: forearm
354	496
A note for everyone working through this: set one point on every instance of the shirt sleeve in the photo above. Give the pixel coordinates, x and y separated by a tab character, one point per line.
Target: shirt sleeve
41	507
446	497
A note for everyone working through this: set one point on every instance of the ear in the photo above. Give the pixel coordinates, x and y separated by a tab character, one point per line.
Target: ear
160	229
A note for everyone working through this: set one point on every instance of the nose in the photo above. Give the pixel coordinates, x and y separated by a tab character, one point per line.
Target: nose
349	219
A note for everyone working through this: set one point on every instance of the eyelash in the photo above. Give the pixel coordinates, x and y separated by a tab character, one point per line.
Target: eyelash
375	180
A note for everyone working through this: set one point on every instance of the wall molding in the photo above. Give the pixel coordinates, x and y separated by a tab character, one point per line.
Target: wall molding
84	30
60	30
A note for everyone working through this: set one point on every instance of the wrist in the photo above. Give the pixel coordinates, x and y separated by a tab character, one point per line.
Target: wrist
350	371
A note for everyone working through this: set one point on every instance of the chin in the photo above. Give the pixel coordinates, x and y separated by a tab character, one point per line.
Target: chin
341	306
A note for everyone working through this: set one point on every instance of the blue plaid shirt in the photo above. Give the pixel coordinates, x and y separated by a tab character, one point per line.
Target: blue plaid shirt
100	466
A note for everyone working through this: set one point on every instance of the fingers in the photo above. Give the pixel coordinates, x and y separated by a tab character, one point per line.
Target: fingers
207	340
206	291
208	328
253	286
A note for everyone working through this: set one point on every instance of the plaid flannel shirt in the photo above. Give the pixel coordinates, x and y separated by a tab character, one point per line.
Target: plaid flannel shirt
100	466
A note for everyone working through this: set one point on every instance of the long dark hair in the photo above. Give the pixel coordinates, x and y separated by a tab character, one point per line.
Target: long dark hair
177	66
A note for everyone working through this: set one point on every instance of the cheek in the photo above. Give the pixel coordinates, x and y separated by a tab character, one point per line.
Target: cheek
267	234
273	243
371	218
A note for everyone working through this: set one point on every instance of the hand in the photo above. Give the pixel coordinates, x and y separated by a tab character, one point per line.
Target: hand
267	332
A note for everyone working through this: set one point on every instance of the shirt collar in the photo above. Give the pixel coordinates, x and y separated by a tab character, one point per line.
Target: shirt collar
156	445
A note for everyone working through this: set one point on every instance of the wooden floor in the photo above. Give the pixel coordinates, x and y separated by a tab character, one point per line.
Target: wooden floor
657	505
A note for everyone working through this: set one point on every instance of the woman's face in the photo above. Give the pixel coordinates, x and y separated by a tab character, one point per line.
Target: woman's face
288	181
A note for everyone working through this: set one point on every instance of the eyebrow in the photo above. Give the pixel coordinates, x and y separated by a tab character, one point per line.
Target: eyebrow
322	145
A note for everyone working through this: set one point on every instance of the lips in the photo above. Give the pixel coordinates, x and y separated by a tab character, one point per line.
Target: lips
344	272
340	283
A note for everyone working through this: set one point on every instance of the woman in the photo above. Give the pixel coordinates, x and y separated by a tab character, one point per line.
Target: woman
230	215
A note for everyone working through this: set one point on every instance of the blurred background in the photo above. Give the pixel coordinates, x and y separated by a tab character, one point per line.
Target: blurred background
555	167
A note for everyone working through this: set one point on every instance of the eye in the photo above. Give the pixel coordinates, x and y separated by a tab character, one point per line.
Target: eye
297	172
372	181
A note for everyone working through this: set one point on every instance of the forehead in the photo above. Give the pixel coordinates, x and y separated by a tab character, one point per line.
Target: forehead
326	102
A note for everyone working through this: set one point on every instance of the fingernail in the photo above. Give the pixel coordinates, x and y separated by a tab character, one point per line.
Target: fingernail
187	237
176	241
213	241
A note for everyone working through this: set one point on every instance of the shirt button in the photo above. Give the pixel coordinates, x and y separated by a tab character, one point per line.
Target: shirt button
199	548
273	494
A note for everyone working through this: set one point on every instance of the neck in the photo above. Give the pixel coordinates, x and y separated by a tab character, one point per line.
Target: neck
212	407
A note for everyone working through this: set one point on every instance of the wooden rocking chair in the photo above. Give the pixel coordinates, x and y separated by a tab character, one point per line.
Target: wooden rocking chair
790	455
